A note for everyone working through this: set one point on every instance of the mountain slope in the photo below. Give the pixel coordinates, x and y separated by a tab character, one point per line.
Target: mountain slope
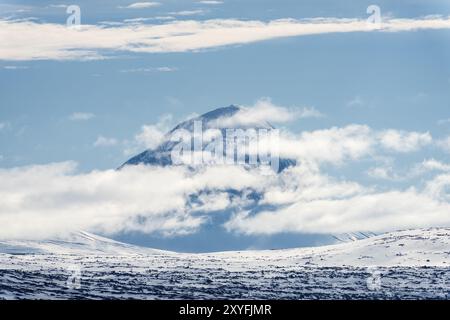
161	155
421	247
412	264
78	243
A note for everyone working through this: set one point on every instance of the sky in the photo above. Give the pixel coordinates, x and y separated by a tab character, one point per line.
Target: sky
76	102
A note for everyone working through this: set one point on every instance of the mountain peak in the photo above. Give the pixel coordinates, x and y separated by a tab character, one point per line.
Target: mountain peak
221	112
214	119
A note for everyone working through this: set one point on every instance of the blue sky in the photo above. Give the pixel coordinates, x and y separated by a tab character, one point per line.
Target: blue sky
55	109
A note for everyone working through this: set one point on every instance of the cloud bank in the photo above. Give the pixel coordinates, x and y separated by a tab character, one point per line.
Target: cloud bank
22	40
45	200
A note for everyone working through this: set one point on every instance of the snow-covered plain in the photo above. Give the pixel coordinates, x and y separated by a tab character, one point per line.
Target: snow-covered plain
413	264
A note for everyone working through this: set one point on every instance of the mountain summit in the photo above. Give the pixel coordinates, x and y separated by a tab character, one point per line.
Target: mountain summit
216	122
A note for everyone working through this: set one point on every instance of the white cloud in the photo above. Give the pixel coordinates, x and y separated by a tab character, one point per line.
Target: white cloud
386	173
141	20
141	5
443	121
444	144
187	12
334	145
81	116
375	212
313	202
41	201
58	6
150	135
15	67
403	141
434	165
265	111
50	199
90	41
355	102
105	142
150	69
213	2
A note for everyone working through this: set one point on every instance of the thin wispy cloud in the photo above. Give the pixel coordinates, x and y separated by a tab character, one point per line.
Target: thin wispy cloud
4	125
444	144
81	116
443	122
58	6
93	41
213	2
105	142
149	70
356	101
187	12
141	5
15	67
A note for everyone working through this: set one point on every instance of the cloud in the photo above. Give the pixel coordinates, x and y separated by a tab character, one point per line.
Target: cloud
149	70
434	165
81	116
105	142
355	102
212	2
386	173
96	41
444	144
152	135
4	126
15	67
141	5
402	141
314	203
142	20
376	212
334	146
58	6
444	121
46	200
187	12
264	111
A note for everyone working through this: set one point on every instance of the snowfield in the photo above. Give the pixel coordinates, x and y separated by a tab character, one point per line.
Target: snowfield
413	264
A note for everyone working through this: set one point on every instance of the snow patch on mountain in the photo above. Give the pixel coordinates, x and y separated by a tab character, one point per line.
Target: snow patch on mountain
77	243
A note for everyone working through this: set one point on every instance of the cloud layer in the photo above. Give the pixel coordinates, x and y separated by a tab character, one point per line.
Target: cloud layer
44	200
22	40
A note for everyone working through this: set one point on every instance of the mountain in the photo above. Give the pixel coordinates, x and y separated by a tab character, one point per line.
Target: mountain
411	264
419	247
408	248
161	155
77	243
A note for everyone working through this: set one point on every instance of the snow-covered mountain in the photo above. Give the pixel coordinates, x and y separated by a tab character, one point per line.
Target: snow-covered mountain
412	264
76	243
421	247
161	155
